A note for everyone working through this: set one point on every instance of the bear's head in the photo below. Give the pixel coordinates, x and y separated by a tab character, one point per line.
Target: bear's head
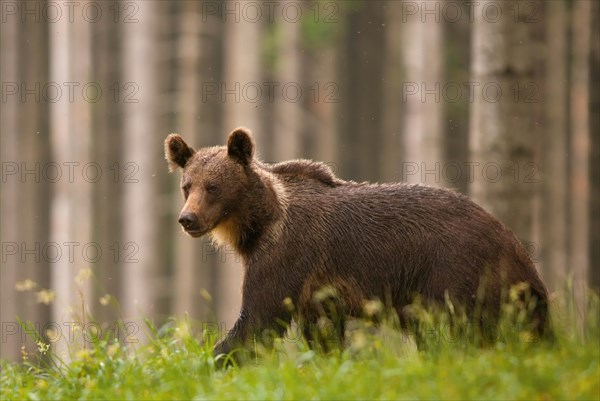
215	182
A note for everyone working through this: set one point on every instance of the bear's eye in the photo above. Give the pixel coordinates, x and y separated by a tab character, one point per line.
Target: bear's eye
186	190
212	188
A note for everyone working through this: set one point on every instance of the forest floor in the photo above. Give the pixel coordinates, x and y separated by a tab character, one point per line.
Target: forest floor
376	363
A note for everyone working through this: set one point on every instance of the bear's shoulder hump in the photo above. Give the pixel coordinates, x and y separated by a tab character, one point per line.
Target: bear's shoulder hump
307	169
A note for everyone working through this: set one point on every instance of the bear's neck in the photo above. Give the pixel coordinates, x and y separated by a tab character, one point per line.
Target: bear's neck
261	212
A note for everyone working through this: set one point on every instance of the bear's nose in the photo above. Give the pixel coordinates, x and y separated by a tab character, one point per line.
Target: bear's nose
187	220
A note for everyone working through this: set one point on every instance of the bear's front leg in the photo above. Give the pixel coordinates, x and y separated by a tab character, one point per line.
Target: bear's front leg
246	330
234	339
258	322
263	314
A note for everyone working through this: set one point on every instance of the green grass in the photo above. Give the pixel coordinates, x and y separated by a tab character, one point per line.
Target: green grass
375	364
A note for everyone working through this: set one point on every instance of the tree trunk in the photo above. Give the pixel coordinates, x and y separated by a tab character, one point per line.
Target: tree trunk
321	106
34	145
594	108
457	54
501	121
361	72
423	139
70	205
288	94
139	291
553	208
393	110
580	147
107	151
10	197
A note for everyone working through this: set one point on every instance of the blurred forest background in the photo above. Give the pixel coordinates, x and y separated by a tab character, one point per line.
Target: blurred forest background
496	99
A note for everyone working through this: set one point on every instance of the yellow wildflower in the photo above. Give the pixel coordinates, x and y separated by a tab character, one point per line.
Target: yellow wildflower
105	300
43	347
45	297
83	275
24	353
25	285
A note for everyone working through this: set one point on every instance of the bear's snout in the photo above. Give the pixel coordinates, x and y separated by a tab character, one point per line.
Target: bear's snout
188	220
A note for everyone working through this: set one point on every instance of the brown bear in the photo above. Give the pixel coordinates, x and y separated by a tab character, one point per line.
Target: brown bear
299	228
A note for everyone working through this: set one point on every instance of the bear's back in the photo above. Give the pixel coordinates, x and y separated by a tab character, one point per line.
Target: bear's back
401	234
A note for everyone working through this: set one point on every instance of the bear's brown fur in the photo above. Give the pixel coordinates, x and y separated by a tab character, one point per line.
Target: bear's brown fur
299	228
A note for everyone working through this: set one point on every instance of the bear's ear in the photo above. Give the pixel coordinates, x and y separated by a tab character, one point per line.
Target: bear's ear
240	145
177	152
